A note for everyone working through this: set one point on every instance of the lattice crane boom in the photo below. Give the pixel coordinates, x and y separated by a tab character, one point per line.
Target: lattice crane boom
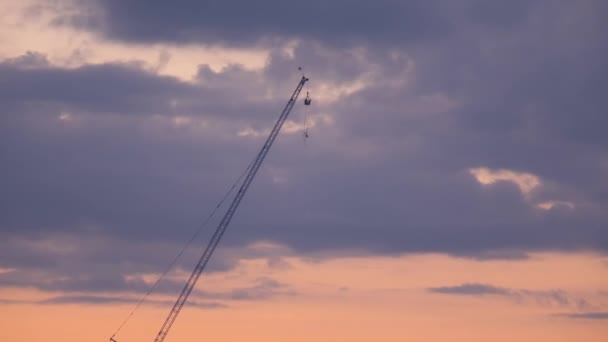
221	228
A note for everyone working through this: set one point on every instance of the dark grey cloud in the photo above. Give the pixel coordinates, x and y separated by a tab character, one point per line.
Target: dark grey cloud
546	298
28	60
269	21
109	173
107	300
94	264
6	301
78	280
339	23
579	307
471	289
99	88
587	315
263	289
125	287
388	174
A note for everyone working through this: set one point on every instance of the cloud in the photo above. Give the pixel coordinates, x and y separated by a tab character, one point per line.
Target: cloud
147	171
472	289
105	88
6	301
96	265
113	165
587	315
525	182
264	289
108	300
34	60
230	21
546	298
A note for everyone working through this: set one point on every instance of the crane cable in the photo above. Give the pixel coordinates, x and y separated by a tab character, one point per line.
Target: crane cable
183	250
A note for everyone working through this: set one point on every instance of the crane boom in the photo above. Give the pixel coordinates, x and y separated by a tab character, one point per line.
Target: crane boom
221	228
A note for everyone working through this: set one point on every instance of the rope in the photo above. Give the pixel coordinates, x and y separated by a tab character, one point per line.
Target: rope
183	250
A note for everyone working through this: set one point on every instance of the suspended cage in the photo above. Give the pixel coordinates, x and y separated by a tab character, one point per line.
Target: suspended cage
307	100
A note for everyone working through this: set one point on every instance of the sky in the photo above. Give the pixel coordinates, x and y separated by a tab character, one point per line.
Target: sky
453	186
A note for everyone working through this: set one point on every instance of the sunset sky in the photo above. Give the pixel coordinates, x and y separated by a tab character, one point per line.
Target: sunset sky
454	186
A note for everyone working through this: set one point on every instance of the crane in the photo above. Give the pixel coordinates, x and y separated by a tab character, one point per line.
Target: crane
221	228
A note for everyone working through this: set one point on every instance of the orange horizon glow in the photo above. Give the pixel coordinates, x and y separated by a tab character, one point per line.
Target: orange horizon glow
349	299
